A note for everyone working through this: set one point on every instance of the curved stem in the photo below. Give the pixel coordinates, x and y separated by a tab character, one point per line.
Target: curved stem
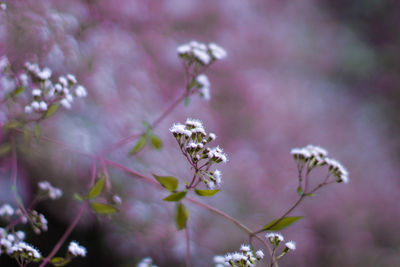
74	223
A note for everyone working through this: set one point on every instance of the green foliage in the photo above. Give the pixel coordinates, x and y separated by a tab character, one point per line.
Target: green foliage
156	142
176	196
181	216
37	131
300	191
169	182
78	197
12	125
97	188
282	224
59	261
103	209
139	145
206	193
5	149
51	110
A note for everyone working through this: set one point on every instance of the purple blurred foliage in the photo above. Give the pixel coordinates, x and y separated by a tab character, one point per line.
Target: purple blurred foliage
275	91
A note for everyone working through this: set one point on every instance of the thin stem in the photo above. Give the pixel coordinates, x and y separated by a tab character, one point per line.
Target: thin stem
188	259
74	223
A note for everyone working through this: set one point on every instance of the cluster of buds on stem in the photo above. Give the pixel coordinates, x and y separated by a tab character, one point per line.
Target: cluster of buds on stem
276	240
48	191
193	142
314	156
196	58
246	257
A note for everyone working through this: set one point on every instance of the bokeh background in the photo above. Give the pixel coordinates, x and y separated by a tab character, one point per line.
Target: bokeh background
298	72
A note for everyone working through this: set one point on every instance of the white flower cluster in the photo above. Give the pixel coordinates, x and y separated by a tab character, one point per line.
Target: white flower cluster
276	239
201	53
315	156
193	140
203	84
76	250
13	245
245	258
6	210
38	222
3	6
64	91
49	191
146	262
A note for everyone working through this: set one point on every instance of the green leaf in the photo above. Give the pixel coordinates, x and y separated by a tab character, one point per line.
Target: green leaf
59	261
311	195
181	216
102	209
5	149
156	142
78	197
169	182
138	146
300	191
12	125
186	101
19	91
282	224
51	110
37	131
95	191
176	196
206	193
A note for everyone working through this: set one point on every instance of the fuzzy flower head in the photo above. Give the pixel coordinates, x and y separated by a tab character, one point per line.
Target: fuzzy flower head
201	53
291	245
274	238
194	142
245	258
49	191
146	262
25	251
76	250
313	156
6	210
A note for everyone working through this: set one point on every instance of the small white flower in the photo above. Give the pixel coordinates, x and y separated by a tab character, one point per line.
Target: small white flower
291	245
63	81
43	106
71	78
205	93
35	105
117	199
3	6
23	78
20	235
244	248
75	249
184	49
6	210
36	92
65	103
202	56
212	136
52	192
259	254
44	74
203	80
217	51
80	91
28	109
219	259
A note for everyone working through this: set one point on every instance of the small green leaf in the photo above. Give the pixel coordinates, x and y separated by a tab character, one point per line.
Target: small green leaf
37	131
300	191
282	224
175	196
181	216
169	182
101	208
59	261
5	149
311	195
138	146
205	193
95	191
156	142
51	110
78	197
186	101
12	125
19	91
